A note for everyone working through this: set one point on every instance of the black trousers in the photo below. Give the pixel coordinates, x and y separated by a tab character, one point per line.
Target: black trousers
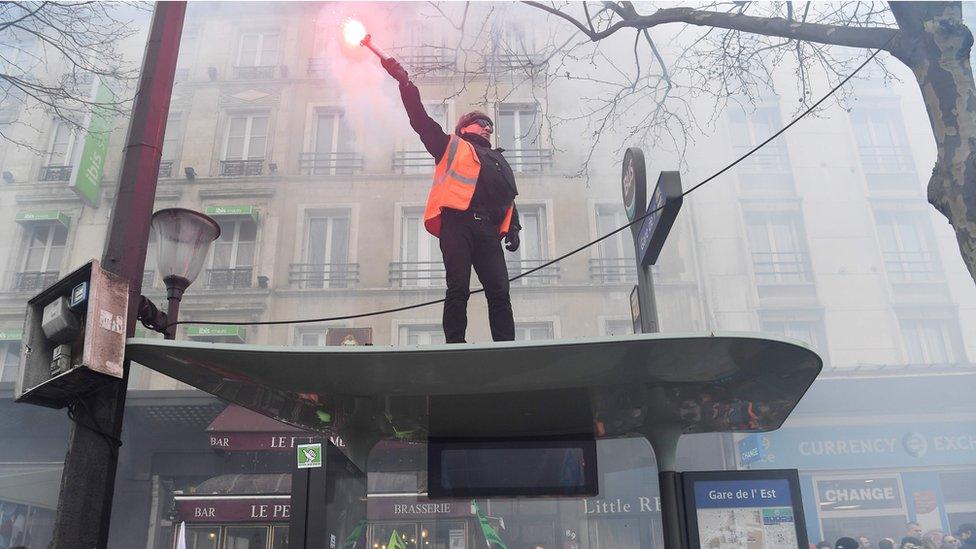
470	240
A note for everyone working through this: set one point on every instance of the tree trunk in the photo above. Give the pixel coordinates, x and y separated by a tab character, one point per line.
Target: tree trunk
935	44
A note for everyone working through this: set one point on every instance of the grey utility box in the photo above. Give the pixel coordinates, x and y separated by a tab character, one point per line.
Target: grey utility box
74	337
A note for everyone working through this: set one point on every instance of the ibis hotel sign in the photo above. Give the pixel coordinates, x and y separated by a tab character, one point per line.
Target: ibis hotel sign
86	176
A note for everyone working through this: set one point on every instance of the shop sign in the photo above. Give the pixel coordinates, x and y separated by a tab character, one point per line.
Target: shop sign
639	505
234	508
238	210
839	447
409	508
309	456
751	449
275	441
11	334
86	177
859	493
216	330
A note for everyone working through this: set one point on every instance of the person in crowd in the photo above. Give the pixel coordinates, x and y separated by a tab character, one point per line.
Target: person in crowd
951	542
846	543
886	543
825	545
967	535
933	539
863	542
913	530
911	542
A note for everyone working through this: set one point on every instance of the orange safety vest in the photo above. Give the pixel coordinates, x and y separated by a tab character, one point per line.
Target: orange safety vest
454	180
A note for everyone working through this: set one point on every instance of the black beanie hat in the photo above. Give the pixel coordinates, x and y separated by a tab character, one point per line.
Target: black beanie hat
469	118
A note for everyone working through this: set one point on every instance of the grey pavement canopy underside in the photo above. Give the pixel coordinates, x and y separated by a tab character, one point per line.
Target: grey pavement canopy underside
611	386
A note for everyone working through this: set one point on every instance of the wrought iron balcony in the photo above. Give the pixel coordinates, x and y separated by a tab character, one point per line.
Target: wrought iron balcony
413	162
148	278
55	173
428	64
165	169
529	160
891	160
548	275
323	275
224	279
417	274
911	266
773	161
35	280
513	62
336	163
782	267
239	168
613	269
318	67
260	72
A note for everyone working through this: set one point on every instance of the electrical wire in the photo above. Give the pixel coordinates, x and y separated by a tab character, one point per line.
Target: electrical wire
576	250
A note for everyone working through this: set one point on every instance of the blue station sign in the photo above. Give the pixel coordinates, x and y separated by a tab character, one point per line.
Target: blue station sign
663	209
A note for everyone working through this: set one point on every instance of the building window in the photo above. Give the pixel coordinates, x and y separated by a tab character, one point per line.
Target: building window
245	145
533	331
333	146
618	326
534	248
616	261
517	131
421	334
326	253
414	158
882	146
9	361
907	246
779	254
311	337
809	331
59	152
43	254
232	259
421	264
171	143
769	167
931	340
257	55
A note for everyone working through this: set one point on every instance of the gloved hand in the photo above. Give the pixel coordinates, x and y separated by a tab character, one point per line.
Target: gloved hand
395	69
512	240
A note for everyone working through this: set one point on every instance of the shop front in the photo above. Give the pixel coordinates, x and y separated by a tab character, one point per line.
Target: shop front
254	521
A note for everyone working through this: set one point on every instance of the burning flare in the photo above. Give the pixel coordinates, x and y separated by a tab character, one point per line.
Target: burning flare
353	31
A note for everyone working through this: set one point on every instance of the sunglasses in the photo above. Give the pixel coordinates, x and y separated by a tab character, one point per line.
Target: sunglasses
486	124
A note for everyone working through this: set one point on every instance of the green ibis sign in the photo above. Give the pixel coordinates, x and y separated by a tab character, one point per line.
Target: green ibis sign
86	177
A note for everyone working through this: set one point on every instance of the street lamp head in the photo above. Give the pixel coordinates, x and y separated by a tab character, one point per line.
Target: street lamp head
183	239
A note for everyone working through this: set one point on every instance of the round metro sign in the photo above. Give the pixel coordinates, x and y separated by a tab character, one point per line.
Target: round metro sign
633	182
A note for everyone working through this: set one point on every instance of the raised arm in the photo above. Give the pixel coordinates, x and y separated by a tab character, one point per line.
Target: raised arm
431	133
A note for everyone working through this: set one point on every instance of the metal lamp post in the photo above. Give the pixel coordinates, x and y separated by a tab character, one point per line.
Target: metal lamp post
183	239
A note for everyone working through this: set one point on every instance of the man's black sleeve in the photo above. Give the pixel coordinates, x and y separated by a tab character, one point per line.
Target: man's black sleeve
514	224
430	132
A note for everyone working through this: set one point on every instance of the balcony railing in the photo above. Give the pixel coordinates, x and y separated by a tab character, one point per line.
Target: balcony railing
165	169
417	274
773	161
613	269
337	163
413	162
548	275
318	67
529	160
35	280
893	160
261	72
781	267
428	64
512	62
323	275
55	173
225	279
239	168
181	75
911	266
148	278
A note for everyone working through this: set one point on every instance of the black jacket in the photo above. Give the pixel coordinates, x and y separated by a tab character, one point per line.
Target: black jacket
495	189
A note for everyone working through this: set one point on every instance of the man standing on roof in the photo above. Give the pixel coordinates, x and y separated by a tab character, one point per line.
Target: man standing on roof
470	208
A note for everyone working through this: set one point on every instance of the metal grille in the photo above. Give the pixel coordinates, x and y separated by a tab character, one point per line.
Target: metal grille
407	274
323	275
891	160
222	279
613	269
781	267
35	280
237	168
529	160
337	163
166	168
318	67
428	65
549	275
413	162
55	173
512	62
911	266
264	72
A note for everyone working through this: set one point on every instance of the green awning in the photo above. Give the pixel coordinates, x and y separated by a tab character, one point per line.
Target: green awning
37	216
233	210
11	334
226	333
